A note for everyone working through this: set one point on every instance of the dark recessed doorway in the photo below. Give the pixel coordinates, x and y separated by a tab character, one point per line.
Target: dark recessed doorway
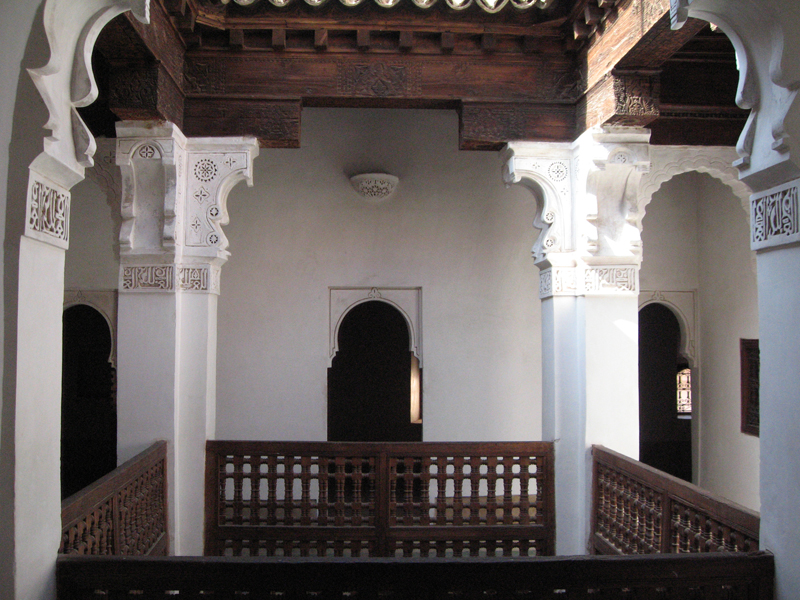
665	430
374	378
88	400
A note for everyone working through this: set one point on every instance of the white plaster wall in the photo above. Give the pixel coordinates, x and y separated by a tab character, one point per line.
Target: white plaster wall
93	255
696	237
451	228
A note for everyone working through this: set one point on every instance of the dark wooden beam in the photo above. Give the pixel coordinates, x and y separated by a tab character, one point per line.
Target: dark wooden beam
279	39
236	37
546	80
145	91
621	98
489	126
448	41
276	123
363	39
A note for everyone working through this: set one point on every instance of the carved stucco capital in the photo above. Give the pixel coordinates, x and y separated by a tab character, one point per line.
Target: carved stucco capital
175	190
611	163
764	37
546	170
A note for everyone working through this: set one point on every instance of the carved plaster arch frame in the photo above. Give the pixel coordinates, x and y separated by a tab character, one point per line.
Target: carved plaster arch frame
669	161
546	171
408	301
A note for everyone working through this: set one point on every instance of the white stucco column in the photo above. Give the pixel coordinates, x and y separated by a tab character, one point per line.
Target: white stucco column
171	251
588	252
764	35
775	235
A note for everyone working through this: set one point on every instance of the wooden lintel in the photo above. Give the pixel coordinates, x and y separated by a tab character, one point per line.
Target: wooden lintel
160	39
321	39
436	78
622	98
145	91
363	39
489	126
279	39
275	123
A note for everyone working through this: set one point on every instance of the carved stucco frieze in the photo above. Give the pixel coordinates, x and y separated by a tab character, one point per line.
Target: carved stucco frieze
588	280
774	217
170	278
47	211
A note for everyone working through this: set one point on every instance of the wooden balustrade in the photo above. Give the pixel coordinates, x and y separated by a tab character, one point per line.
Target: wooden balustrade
640	510
696	576
123	513
379	499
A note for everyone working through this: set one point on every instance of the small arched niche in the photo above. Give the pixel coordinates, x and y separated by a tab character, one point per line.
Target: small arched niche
88	399
374	391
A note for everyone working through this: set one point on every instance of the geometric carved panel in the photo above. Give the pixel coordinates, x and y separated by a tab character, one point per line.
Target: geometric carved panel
47	216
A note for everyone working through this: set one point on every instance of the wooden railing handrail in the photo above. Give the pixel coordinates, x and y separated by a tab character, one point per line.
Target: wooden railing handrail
379	498
701	577
706	506
96	519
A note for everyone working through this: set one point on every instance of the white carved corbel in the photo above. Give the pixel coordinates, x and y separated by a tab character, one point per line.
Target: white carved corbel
764	38
67	81
545	169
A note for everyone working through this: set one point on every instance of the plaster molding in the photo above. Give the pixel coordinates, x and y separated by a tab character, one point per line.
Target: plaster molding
764	38
546	170
775	217
67	81
341	300
683	303
669	161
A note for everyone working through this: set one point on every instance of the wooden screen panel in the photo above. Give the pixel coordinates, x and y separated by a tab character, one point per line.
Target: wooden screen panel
379	499
123	513
750	379
640	510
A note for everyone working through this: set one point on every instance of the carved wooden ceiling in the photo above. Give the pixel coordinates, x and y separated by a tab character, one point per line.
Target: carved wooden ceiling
534	74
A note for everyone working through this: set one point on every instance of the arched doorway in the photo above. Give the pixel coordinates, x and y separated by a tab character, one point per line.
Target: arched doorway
88	400
372	380
664	422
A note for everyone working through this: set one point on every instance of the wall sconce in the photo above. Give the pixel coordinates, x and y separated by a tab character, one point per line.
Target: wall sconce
374	187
